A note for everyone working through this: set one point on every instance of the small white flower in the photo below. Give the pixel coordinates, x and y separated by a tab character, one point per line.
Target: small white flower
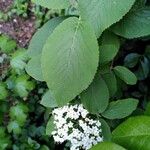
73	123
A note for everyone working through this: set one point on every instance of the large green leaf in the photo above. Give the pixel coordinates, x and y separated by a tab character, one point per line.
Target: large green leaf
95	98
39	38
33	68
120	109
135	24
53	4
109	47
70	59
134	133
126	75
107	146
101	14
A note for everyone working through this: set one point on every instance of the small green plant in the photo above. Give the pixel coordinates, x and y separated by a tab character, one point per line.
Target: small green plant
75	56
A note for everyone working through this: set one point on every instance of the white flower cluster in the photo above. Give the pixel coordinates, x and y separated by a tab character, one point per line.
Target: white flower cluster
74	124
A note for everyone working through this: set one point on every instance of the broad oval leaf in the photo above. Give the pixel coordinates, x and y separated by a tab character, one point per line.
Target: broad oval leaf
107	146
95	98
101	14
126	75
120	108
33	68
53	4
39	38
135	24
109	47
70	59
48	100
134	133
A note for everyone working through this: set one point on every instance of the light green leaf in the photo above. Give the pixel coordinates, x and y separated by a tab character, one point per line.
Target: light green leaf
53	4
107	146
111	82
70	59
6	44
135	24
23	86
14	127
134	133
18	60
33	68
18	113
95	98
109	47
50	126
48	100
39	38
125	74
120	108
101	14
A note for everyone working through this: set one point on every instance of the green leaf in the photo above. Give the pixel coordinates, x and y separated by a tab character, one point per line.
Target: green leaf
109	47
48	100
14	127
131	60
53	4
120	108
39	38
134	133
105	130
3	91
23	86
50	126
107	146
147	111
125	74
144	69
111	82
95	98
135	24
6	44
18	60
33	68
101	14
70	59
18	113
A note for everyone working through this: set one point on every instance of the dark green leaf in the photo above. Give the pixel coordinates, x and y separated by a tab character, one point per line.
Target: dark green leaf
95	98
125	74
120	108
135	24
